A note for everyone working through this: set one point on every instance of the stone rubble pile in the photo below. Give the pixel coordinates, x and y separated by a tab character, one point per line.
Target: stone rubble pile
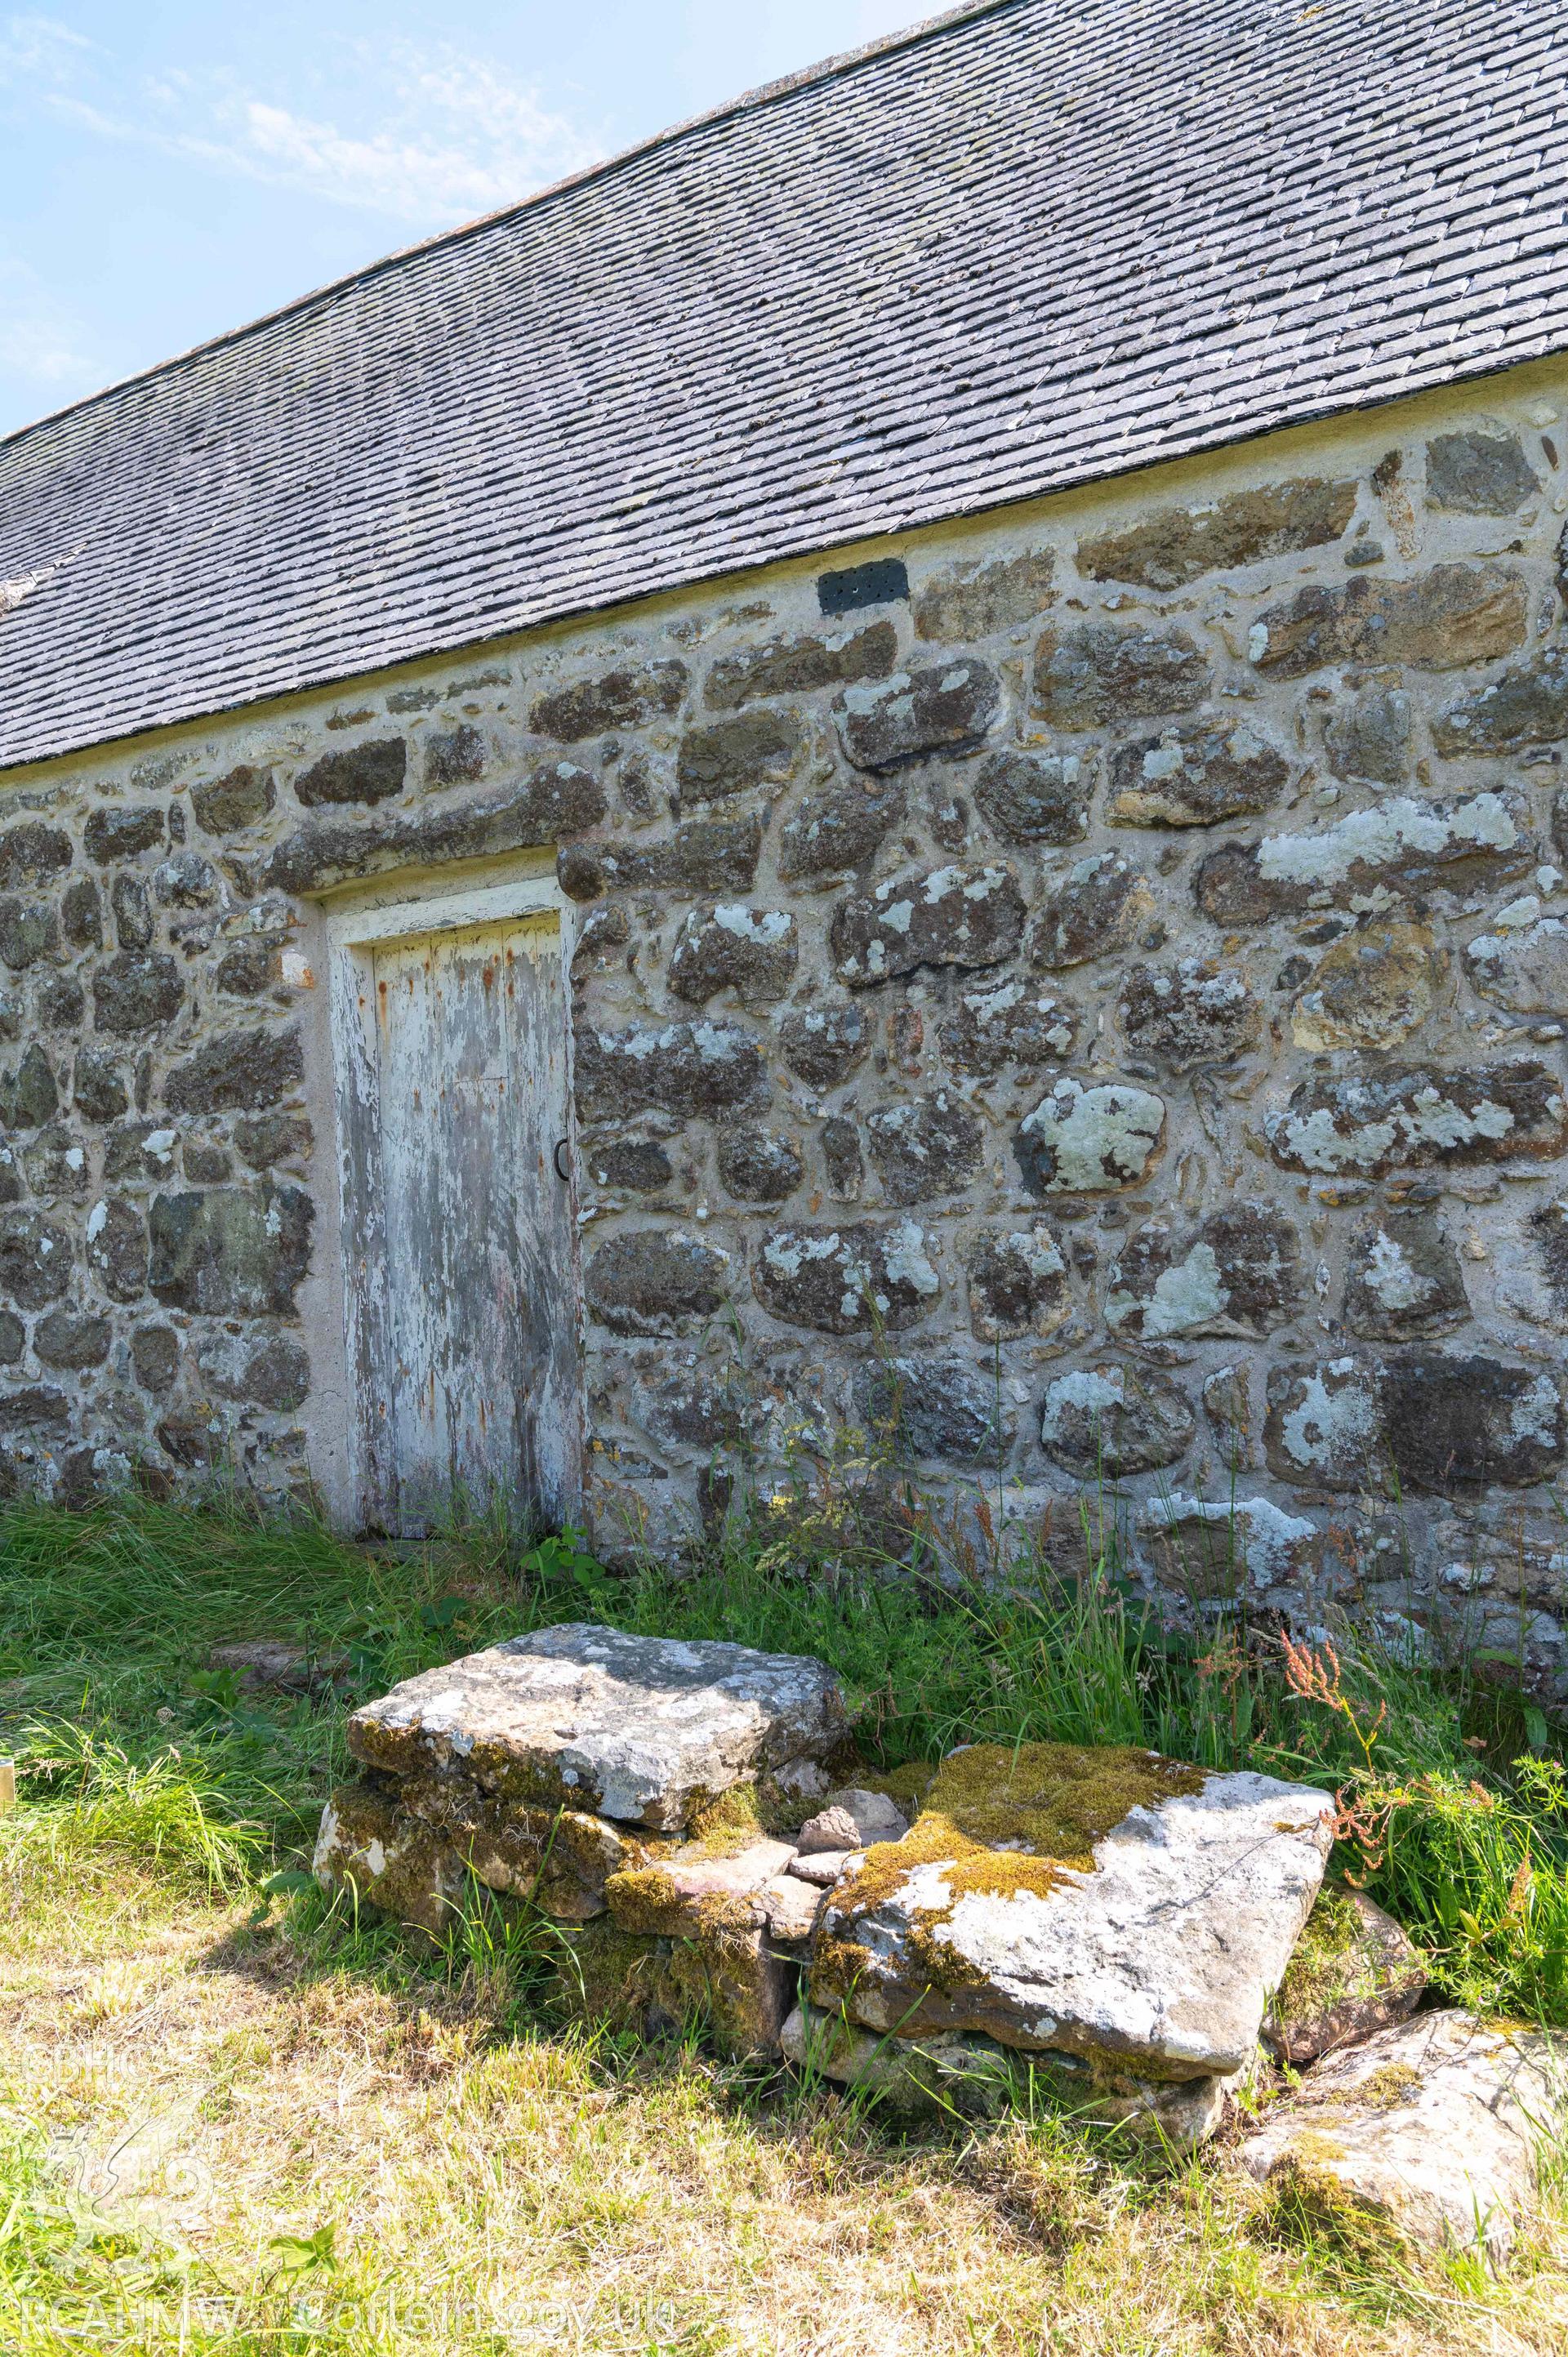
1127	1926
619	1784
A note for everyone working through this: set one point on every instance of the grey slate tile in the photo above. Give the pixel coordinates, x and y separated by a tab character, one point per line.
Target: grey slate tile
919	283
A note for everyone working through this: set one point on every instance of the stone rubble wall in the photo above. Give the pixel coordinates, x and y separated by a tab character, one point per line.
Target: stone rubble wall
1087	990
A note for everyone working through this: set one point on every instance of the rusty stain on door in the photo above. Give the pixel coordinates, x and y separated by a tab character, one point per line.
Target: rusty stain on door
477	1337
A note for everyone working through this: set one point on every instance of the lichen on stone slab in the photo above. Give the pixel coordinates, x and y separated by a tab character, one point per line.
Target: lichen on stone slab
641	1729
1433	2131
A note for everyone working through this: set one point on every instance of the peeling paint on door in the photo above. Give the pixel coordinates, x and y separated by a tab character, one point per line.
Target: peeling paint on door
459	1254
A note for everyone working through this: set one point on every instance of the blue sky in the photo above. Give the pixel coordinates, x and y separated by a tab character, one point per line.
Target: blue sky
169	168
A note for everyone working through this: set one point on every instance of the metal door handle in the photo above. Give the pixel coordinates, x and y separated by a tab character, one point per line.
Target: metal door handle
564	1176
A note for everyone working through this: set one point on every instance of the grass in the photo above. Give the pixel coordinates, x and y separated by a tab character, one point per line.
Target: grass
232	2119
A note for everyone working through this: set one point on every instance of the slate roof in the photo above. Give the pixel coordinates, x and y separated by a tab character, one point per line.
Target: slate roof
1030	244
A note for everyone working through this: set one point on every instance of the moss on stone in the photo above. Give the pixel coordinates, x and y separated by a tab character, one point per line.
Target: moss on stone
559	1858
727	1975
724	1981
1310	2204
968	1867
782	1813
526	1783
1352	1971
1389	2087
1322	1969
720	1824
390	1861
1055	1799
728	1911
644	1898
908	1784
650	1899
606	1974
1010	1818
1001	1819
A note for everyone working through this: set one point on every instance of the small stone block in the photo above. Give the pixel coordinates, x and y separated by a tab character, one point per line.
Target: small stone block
853	1819
821	1867
730	1974
790	1905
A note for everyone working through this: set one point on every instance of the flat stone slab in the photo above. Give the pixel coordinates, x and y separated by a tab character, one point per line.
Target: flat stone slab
946	2073
684	1895
965	2072
637	1728
262	1661
822	1866
371	1849
1105	1903
558	1860
1432	2127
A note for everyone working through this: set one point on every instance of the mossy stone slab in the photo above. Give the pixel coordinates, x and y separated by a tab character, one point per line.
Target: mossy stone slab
558	1860
371	1847
963	2072
946	2074
1431	2133
728	1980
684	1894
640	1729
1102	1902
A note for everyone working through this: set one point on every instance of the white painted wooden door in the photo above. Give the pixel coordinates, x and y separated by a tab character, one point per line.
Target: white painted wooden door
478	1340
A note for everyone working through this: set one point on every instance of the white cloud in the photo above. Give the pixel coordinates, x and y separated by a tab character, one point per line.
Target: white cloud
482	144
40	343
38	47
40	350
436	135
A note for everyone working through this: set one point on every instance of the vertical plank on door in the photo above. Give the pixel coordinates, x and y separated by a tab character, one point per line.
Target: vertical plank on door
479	1336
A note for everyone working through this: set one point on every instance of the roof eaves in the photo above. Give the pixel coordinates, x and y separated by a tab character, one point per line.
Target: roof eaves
1227	432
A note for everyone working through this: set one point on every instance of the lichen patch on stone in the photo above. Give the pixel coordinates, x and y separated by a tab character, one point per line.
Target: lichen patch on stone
1086	1141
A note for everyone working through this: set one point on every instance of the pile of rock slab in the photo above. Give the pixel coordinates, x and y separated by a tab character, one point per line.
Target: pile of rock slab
1118	1917
693	1818
624	1786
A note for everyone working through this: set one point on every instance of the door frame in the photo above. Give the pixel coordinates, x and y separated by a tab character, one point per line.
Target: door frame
354	933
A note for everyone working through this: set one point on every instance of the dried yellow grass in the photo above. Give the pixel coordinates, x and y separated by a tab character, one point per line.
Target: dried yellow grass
202	2090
